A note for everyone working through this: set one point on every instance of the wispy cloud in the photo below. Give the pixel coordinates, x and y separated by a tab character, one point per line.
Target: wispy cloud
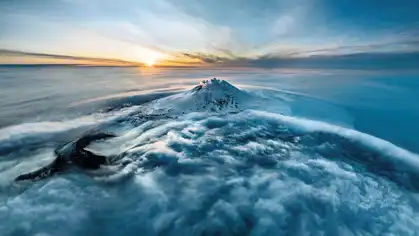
63	59
380	55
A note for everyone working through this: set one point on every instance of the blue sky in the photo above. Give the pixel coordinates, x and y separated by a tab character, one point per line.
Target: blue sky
210	31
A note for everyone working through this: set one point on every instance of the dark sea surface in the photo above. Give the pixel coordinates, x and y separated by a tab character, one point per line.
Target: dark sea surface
343	159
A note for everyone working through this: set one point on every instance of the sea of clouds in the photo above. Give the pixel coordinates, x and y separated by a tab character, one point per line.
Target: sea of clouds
248	173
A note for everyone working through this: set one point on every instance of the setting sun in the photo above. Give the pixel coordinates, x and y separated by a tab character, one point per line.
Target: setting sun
153	58
150	63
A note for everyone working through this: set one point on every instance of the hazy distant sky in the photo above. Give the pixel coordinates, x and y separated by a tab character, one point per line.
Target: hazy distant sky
231	32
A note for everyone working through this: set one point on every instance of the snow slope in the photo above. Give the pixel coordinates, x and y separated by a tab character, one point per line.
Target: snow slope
210	95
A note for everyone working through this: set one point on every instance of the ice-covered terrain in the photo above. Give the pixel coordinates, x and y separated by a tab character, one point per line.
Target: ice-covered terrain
215	159
212	95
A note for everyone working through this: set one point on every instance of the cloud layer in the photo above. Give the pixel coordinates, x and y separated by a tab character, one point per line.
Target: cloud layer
251	173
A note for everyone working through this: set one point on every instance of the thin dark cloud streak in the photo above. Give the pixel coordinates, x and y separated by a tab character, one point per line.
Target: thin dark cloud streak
381	60
367	60
359	48
205	58
358	56
6	53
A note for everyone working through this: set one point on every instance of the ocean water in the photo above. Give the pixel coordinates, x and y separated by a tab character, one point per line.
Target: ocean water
327	152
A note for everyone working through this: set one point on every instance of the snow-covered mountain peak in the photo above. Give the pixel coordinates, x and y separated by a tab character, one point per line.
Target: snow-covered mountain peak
217	86
210	95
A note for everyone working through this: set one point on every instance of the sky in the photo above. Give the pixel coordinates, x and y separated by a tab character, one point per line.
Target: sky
226	33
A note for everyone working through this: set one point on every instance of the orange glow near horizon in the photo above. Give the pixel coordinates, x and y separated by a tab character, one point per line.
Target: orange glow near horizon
146	58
